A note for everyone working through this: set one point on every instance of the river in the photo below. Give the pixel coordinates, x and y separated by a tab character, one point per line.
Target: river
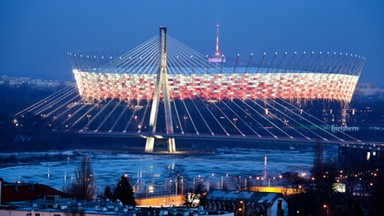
153	170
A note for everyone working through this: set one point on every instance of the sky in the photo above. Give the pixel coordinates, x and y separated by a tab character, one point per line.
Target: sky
35	36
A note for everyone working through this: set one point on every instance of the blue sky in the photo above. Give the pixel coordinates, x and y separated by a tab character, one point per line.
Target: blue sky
35	36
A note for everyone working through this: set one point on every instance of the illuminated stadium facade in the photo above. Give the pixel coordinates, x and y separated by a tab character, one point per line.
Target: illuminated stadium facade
164	89
257	85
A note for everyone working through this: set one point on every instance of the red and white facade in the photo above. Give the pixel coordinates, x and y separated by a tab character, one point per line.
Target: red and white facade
289	85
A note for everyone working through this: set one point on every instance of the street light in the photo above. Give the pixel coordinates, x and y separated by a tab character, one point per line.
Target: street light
234	124
326	209
135	117
89	116
194	182
182	186
185	122
171	184
286	124
176	188
242	209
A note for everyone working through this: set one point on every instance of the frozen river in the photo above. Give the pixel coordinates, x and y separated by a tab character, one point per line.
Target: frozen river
153	169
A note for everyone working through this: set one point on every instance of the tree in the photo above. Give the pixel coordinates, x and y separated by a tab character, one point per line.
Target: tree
317	169
108	193
124	191
325	176
176	174
293	180
74	210
83	186
195	195
235	182
357	211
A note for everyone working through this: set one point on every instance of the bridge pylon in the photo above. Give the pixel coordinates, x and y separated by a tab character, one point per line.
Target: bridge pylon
163	87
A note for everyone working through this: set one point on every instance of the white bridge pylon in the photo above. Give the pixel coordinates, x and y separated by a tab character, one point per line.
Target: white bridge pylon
161	87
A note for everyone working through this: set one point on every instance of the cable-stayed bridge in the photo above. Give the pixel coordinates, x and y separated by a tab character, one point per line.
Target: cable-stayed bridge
163	89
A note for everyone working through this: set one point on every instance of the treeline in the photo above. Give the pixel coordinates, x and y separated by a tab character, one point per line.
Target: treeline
83	186
361	192
36	158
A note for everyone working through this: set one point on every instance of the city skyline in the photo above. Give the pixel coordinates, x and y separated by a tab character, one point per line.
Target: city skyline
40	34
241	107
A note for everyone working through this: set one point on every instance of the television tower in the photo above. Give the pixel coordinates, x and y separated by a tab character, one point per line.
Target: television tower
217	58
217	53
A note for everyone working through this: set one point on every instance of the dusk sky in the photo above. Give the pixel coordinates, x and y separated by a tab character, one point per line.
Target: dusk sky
35	36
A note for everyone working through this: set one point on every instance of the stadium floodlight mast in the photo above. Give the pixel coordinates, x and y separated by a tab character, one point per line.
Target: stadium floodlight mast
161	85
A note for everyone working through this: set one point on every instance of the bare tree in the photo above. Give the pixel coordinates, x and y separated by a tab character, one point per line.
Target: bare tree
83	187
235	182
177	175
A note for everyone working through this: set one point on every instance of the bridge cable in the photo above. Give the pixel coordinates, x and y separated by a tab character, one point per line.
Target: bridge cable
33	106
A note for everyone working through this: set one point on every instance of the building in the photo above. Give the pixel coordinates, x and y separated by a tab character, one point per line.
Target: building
247	202
57	206
14	192
17	82
157	201
368	90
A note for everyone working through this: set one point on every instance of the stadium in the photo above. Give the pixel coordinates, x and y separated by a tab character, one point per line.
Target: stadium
191	75
163	88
